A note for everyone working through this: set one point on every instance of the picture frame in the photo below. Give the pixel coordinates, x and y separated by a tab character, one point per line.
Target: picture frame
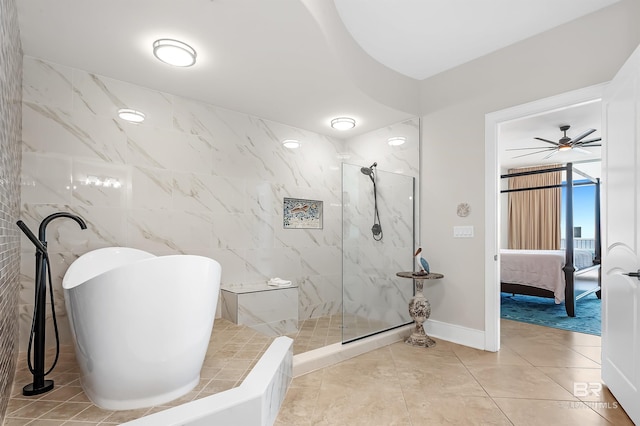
298	213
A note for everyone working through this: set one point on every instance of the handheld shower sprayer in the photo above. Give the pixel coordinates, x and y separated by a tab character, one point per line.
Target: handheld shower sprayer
32	238
368	170
376	229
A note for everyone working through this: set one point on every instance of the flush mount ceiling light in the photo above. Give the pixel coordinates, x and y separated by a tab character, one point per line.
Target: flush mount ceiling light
397	140
174	52
291	143
131	115
343	123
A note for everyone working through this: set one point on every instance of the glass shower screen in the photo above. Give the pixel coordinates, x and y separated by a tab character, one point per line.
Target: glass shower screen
377	242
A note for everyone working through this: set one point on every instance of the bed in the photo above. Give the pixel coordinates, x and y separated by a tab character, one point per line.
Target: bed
551	273
542	269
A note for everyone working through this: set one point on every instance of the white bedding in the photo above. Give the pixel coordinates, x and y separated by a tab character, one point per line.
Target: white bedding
540	268
535	268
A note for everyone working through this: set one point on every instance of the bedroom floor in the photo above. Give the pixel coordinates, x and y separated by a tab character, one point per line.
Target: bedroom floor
529	381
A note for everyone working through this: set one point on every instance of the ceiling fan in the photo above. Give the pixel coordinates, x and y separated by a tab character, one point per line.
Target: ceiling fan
565	143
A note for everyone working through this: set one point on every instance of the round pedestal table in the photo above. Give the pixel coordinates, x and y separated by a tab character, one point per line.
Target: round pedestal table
419	309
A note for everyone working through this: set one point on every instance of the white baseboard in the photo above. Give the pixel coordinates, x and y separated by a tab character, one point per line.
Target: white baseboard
456	334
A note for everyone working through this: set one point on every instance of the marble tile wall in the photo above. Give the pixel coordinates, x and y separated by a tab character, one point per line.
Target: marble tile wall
193	178
10	122
374	147
374	297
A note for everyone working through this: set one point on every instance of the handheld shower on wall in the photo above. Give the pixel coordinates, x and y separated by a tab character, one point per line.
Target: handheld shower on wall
37	335
368	170
376	229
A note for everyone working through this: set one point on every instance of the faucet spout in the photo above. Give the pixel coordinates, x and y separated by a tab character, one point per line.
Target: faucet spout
46	220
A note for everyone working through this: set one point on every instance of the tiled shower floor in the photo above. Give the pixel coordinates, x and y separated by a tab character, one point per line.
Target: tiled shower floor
319	332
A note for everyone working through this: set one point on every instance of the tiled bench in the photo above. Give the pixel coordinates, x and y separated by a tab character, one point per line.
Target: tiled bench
272	311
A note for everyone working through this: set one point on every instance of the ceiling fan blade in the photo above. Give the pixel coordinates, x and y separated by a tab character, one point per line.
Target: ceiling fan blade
537	152
535	147
551	154
581	136
582	143
547	141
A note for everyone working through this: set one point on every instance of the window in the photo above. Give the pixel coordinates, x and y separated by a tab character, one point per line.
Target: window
584	214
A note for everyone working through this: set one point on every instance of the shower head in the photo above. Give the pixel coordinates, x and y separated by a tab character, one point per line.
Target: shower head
368	170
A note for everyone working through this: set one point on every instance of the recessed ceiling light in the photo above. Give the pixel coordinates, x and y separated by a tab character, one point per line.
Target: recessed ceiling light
174	52
343	123
291	143
397	140
131	115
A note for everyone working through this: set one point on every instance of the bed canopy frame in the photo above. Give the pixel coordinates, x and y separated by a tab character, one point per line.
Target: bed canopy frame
569	268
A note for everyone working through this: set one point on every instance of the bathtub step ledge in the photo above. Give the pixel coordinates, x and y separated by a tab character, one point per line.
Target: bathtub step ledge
255	402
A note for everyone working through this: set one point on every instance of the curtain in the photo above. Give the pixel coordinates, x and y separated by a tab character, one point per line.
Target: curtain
534	216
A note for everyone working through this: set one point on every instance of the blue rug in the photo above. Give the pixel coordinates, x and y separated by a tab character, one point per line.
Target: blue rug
545	312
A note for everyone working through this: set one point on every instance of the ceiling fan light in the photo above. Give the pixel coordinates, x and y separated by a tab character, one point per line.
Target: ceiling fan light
343	123
564	148
174	52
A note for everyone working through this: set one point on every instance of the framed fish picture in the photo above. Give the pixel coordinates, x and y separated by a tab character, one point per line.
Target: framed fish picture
298	213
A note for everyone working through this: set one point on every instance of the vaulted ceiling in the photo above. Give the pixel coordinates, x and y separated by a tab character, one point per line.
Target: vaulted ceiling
298	62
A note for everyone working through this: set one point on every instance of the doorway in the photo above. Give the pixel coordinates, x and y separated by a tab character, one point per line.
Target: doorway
495	123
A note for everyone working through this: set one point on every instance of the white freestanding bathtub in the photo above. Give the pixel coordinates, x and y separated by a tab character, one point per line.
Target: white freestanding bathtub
141	324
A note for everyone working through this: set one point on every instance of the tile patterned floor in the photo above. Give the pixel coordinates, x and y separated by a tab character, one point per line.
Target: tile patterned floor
319	332
529	382
233	351
316	333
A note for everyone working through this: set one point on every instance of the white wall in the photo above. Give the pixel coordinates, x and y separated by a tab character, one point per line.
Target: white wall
579	54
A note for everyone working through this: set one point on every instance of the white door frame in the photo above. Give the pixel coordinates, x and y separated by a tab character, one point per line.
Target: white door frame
492	191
